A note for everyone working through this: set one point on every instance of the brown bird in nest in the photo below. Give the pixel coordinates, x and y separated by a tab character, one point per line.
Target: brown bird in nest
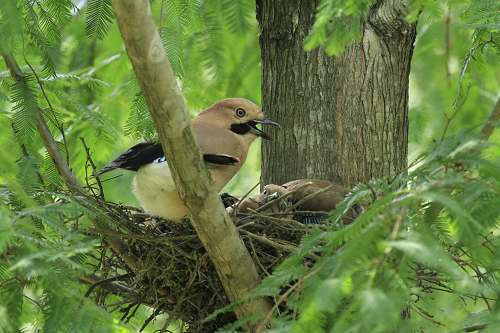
308	197
223	132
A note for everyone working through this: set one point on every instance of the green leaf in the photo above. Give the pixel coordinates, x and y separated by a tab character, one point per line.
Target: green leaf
23	97
336	25
11	28
99	17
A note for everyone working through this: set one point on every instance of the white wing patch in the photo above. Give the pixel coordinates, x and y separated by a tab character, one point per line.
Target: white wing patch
162	159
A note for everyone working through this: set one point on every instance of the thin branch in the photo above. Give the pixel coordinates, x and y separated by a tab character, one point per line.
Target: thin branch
150	318
113	288
114	241
62	167
51	146
34	301
392	237
48	140
447	44
213	226
461	95
94	168
426	315
489	126
281	197
475	328
278	245
162	11
51	108
235	209
283	298
14	69
105	281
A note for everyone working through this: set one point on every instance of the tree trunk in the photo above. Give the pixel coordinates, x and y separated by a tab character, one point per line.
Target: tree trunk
344	118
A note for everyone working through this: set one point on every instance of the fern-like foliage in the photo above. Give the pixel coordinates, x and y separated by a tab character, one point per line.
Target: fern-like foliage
44	23
435	235
172	41
12	301
99	17
139	123
211	38
23	96
237	14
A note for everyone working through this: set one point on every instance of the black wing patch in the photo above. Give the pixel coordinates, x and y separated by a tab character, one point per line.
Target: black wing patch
147	152
220	159
137	156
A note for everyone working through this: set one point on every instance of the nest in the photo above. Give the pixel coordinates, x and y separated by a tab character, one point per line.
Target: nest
164	265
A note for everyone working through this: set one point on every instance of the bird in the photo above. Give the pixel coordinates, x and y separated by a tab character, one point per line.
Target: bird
272	194
324	194
312	199
223	132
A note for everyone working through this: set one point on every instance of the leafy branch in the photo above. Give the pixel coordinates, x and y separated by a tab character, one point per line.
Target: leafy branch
43	129
69	178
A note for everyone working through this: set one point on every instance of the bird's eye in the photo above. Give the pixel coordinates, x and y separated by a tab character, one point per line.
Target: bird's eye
240	112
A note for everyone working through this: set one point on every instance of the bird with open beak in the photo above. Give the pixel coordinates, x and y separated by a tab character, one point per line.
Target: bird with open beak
223	132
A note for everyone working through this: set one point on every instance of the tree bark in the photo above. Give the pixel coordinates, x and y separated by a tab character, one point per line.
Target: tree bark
344	118
215	229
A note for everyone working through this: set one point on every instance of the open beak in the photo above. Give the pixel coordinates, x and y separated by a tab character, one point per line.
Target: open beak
259	132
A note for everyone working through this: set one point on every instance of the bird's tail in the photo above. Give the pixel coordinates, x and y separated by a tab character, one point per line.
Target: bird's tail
108	167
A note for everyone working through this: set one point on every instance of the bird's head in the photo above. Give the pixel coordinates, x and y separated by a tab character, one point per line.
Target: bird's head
274	190
241	116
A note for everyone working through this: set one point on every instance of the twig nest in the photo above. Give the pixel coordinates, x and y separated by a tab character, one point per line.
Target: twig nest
173	274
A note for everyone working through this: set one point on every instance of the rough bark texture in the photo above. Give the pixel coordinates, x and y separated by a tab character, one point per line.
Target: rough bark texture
344	118
214	228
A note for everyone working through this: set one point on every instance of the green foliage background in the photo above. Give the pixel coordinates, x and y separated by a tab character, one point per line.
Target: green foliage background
448	211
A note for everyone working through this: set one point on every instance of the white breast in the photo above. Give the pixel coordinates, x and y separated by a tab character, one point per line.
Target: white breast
154	188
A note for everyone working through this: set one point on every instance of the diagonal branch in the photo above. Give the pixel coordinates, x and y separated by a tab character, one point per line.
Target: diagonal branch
48	140
62	166
491	123
215	229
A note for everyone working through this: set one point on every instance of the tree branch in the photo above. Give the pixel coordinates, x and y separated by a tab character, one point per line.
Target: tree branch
490	124
215	229
113	239
48	140
61	165
51	146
